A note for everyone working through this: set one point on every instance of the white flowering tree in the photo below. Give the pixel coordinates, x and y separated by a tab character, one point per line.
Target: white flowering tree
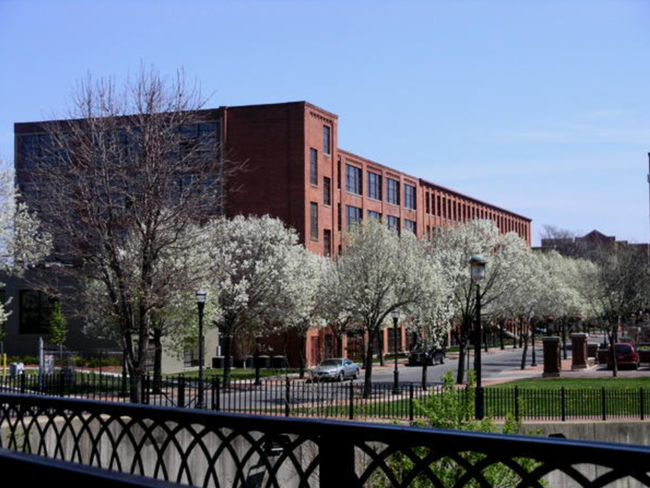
22	241
504	254
429	318
380	271
251	263
306	301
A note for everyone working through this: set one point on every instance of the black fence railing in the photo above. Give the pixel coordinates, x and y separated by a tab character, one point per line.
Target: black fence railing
207	449
344	400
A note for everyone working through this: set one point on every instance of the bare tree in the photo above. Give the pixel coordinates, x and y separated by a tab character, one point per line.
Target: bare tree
120	186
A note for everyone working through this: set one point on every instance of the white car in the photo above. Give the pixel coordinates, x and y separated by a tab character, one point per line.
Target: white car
335	369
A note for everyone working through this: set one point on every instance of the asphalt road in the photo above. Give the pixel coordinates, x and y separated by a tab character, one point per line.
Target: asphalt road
493	364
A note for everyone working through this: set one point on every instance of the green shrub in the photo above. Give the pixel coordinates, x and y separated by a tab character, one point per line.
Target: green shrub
452	408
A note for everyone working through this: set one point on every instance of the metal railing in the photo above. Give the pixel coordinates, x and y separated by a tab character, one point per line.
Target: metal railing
345	400
208	449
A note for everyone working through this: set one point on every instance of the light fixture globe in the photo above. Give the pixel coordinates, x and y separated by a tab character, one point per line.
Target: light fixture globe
395	314
477	262
201	295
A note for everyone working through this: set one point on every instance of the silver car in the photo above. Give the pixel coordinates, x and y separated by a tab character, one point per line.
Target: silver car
335	369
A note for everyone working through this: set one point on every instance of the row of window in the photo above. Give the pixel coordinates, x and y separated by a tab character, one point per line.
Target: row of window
34	311
354	215
444	207
194	138
354	185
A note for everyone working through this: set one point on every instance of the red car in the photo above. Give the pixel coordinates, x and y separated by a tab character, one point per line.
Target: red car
626	355
643	348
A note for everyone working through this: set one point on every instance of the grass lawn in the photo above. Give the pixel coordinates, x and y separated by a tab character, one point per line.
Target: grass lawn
235	373
554	383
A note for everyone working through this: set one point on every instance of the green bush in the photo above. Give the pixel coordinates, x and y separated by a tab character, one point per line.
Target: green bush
452	408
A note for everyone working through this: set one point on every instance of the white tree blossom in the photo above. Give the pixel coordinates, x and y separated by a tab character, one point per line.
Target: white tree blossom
251	273
504	254
380	271
22	241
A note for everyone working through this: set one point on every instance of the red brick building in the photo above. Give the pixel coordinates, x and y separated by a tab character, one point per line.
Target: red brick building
296	172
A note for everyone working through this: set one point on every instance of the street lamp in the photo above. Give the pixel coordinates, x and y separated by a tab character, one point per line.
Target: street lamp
200	303
477	265
395	315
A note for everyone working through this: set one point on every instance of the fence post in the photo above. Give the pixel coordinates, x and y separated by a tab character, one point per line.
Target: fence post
216	384
517	403
411	406
287	398
563	399
351	403
62	384
337	462
180	399
641	406
603	403
23	380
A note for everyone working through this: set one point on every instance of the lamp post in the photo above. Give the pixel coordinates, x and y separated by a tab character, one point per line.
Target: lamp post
395	314
200	303
477	264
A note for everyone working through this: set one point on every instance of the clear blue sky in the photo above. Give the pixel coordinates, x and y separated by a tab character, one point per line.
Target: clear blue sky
541	107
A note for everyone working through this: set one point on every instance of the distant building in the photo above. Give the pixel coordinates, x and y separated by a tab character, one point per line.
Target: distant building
588	245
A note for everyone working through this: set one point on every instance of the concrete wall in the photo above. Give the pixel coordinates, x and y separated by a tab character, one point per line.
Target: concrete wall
629	432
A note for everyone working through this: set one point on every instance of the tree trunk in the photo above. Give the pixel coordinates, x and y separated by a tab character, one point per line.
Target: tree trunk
367	387
301	355
157	362
501	334
380	338
424	373
460	373
227	341
524	352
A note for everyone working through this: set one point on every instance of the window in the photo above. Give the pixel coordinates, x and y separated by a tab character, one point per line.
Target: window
353	179
410	225
354	215
439	207
35	312
393	223
392	191
313	166
374	186
339	216
327	191
426	200
327	142
374	215
314	221
409	197
338	174
327	242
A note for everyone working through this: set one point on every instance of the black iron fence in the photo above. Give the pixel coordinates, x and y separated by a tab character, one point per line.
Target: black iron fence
209	449
297	398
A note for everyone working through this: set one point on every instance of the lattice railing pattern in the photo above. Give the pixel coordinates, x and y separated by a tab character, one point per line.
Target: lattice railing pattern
224	450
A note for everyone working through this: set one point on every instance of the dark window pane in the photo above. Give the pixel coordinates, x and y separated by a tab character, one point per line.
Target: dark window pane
313	166
374	186
314	221
392	190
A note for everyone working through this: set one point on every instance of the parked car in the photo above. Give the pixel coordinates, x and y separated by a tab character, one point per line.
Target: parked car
626	355
643	348
335	369
418	356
